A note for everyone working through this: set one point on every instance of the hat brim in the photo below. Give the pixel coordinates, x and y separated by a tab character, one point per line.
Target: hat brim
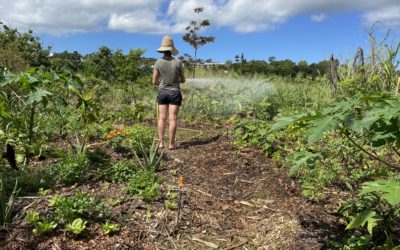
173	50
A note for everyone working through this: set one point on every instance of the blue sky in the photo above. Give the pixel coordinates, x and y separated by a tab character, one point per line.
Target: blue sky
287	29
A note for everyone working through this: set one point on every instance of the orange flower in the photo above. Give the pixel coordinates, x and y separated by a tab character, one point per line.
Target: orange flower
181	182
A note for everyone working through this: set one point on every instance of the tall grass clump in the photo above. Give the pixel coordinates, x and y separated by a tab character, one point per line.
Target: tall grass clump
288	97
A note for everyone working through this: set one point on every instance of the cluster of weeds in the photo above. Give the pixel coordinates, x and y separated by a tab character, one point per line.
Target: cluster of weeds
73	212
171	195
131	138
71	169
144	184
118	172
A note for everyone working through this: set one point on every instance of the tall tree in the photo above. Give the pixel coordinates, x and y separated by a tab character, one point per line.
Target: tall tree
104	65
19	51
194	39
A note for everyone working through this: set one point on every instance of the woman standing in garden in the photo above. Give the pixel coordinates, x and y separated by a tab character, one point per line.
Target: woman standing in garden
168	75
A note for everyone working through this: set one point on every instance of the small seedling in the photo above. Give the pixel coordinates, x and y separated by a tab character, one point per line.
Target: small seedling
77	226
44	192
32	217
149	212
170	204
105	186
114	202
109	228
174	171
44	227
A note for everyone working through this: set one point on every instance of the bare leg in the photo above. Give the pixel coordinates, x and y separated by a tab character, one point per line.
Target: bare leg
172	115
161	123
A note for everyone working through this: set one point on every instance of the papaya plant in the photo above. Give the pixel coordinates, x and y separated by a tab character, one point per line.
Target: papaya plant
370	123
26	95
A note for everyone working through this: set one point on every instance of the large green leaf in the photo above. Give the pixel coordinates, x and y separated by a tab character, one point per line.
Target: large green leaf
389	190
38	95
300	159
321	126
282	122
367	216
3	112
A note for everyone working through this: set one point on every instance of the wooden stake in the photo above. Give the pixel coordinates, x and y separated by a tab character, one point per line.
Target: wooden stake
181	184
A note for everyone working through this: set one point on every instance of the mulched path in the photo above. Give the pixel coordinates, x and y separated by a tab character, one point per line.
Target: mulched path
233	199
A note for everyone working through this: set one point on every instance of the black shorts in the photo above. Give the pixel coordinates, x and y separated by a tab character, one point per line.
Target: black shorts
166	96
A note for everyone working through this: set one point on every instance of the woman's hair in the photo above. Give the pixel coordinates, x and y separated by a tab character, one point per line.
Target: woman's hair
167	53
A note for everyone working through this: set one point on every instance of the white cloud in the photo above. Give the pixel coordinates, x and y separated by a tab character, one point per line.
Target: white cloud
172	16
318	17
388	16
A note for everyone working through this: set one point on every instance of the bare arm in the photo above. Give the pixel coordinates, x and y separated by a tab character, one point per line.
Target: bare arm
155	77
182	76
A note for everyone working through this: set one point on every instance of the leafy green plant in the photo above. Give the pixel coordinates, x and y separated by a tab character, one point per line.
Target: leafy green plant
144	184
137	135
375	213
118	172
114	202
151	158
30	96
32	217
6	200
77	226
368	119
170	204
43	227
71	169
88	107
80	205
109	228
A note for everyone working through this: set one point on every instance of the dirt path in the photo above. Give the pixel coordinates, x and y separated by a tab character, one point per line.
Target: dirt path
234	199
238	199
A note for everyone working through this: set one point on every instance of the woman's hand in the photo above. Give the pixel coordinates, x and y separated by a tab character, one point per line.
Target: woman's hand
155	77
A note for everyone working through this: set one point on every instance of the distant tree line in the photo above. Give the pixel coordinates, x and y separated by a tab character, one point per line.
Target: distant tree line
285	68
20	51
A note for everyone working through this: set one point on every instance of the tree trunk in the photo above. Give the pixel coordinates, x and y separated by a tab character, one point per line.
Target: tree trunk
358	59
333	75
194	63
30	133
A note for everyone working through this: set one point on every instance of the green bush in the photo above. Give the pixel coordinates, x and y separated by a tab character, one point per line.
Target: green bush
144	184
118	172
139	134
71	169
373	216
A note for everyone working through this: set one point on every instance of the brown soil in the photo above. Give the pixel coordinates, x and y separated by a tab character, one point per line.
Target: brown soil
233	199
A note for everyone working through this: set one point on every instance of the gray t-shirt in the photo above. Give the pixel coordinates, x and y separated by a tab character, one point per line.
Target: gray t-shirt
169	70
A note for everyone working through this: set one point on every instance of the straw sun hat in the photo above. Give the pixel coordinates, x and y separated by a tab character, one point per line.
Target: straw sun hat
167	44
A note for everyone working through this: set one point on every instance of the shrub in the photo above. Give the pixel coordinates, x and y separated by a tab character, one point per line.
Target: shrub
118	172
144	184
71	169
